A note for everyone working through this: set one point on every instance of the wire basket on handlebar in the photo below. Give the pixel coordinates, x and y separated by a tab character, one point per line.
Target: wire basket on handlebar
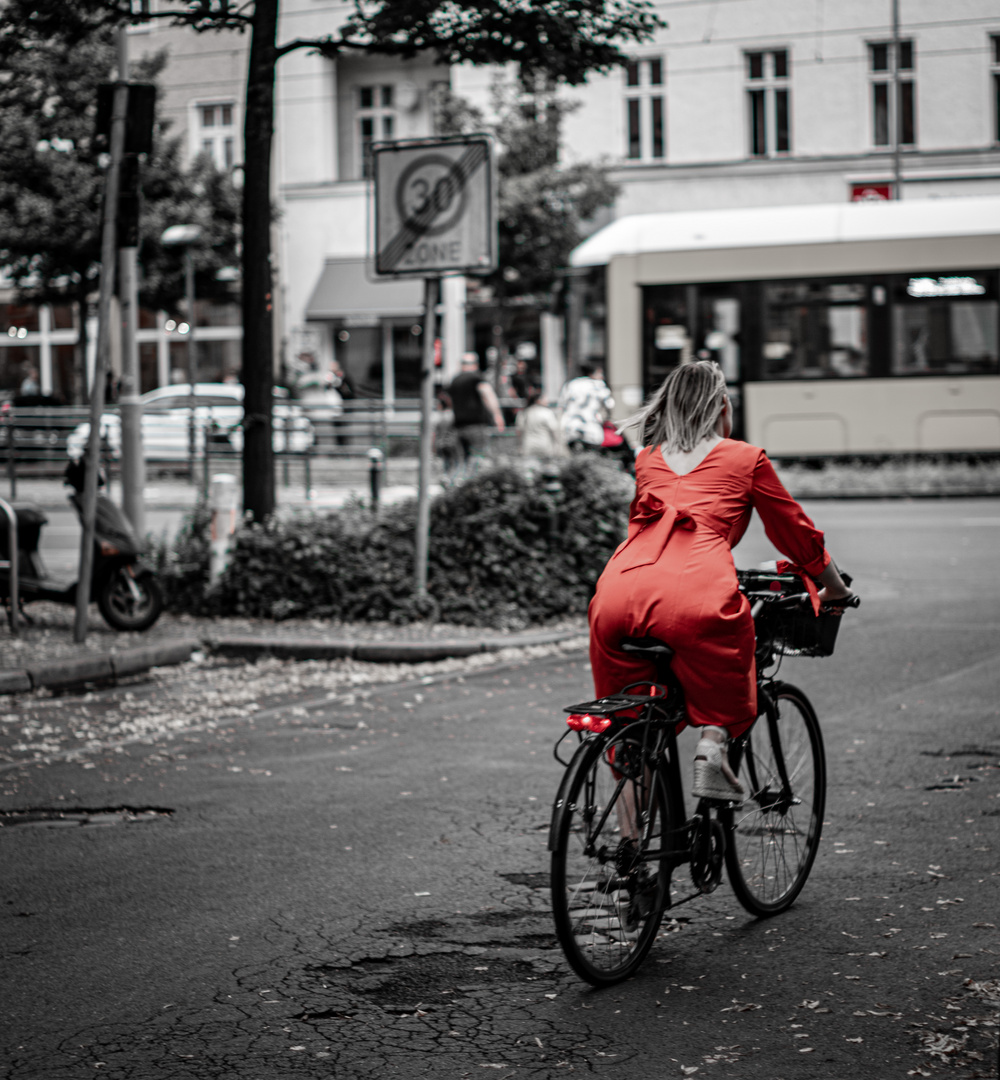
786	620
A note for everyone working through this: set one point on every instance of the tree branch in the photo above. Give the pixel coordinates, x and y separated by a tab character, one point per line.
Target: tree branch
328	46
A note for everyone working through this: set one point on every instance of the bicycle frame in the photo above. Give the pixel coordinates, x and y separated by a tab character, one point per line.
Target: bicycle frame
659	720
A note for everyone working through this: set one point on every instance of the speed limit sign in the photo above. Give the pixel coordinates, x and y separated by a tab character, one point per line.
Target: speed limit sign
435	210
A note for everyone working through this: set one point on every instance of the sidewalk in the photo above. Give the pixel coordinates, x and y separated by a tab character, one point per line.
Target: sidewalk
45	655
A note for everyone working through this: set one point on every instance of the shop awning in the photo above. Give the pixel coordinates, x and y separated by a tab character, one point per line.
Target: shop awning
344	291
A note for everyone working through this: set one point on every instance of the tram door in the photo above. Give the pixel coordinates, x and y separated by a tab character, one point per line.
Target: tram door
693	322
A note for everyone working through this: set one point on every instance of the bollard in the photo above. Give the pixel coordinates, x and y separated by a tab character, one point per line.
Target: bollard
375	459
223	499
11	515
7	417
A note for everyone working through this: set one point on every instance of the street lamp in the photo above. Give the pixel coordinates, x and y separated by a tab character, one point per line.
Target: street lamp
187	236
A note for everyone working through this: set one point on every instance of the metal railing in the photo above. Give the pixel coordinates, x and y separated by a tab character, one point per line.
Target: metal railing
319	439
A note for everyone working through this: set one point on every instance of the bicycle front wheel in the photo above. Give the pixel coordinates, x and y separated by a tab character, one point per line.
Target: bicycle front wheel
774	836
610	879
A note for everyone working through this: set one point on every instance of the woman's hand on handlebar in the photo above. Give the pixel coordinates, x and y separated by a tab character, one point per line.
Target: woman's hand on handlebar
834	586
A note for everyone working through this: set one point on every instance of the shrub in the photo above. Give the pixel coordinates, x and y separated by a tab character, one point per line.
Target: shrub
503	553
182	566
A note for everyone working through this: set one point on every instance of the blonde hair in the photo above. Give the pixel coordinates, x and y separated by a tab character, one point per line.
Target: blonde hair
684	410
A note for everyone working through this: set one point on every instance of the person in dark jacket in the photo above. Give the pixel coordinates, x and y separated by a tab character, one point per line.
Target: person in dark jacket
476	408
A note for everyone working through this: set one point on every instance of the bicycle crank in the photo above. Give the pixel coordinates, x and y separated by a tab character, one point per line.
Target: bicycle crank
708	848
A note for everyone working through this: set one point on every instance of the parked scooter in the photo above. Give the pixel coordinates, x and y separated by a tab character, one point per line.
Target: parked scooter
126	590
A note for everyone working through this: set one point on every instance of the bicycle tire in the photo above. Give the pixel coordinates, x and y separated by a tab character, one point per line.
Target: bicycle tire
607	900
773	838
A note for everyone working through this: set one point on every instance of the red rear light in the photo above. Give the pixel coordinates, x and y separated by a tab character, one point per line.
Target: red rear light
586	722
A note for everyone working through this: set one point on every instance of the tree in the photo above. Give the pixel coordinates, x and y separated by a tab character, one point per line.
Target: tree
562	39
51	176
544	205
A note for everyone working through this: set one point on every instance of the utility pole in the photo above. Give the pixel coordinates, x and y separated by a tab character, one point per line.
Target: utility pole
130	405
432	287
118	114
896	119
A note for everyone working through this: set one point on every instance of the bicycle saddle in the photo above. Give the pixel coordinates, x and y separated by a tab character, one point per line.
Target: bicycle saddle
647	646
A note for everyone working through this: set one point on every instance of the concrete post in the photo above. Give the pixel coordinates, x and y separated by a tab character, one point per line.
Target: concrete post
222	500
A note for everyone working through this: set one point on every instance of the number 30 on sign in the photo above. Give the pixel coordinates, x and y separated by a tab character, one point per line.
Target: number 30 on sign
435	207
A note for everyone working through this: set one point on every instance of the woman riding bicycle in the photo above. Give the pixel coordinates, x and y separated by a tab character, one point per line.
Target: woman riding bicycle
673	578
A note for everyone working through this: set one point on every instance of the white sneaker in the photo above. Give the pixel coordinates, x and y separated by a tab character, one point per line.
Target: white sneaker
710	782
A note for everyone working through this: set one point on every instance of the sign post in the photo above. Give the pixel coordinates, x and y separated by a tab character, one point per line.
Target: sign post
435	214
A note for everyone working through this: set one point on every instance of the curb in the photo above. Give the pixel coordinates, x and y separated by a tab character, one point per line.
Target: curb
102	668
378	652
116	665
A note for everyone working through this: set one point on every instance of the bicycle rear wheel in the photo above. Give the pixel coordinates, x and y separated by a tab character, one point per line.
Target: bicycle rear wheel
608	884
774	836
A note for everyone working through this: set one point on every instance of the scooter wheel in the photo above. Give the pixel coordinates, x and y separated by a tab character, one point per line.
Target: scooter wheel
129	603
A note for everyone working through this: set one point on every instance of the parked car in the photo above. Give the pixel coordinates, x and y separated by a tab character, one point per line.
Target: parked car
218	416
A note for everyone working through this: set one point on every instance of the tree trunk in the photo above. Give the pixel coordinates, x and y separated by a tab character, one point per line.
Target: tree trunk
258	336
79	393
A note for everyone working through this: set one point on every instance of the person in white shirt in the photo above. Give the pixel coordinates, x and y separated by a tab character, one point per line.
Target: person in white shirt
586	402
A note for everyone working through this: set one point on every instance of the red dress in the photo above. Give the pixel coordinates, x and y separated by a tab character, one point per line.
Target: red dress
673	578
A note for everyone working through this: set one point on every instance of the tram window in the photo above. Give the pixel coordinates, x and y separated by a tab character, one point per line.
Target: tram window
814	330
945	324
945	337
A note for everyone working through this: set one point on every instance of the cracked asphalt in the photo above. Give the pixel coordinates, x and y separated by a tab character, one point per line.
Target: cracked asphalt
303	870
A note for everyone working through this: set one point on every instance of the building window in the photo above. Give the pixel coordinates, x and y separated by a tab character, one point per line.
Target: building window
880	68
995	78
645	119
216	133
376	120
767	102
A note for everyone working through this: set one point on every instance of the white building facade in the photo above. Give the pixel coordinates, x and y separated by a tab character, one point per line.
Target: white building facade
736	104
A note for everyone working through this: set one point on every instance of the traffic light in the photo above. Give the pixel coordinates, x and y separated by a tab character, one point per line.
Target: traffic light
138	118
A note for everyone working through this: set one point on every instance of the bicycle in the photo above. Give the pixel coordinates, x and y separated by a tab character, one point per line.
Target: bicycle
619	825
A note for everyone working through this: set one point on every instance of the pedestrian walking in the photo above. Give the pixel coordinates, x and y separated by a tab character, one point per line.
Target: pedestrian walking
585	402
539	435
444	439
477	410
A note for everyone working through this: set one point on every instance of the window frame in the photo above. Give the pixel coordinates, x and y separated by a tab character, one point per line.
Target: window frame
885	113
767	89
994	58
645	110
218	139
381	114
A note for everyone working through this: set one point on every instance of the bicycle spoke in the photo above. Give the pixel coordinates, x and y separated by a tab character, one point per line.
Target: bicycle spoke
774	836
605	895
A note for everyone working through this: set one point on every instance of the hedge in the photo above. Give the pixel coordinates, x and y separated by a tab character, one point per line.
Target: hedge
504	552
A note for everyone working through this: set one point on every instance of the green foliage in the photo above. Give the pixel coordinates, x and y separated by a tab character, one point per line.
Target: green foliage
503	553
182	566
543	206
52	176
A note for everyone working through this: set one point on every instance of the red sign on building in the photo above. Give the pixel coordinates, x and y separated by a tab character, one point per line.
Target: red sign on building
871	192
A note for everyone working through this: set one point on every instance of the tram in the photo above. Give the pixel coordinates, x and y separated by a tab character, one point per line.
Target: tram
854	329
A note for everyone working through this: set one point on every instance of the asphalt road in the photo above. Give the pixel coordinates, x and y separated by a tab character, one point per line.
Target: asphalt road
353	884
